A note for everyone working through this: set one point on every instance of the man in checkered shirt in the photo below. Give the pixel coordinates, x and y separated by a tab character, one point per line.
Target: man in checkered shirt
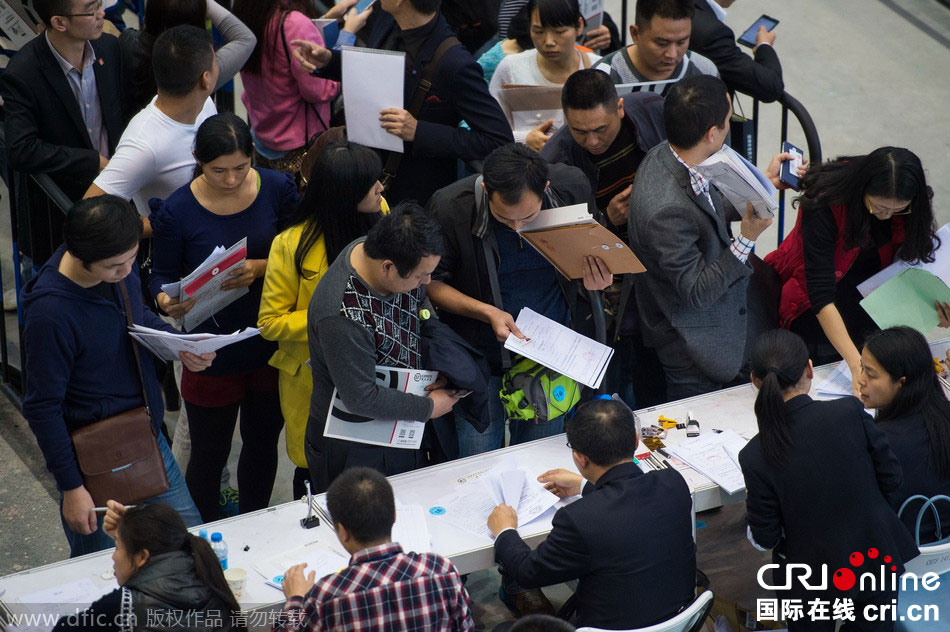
383	588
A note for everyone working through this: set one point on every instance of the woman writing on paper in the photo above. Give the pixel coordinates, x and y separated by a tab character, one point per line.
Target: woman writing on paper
166	576
554	26
899	381
856	216
342	202
225	203
816	479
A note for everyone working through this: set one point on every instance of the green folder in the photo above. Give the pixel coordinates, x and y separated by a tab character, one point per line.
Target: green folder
908	299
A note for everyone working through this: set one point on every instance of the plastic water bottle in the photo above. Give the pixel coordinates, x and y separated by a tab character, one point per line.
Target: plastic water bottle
220	548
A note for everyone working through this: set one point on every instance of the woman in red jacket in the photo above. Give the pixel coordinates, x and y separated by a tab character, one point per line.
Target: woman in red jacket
857	214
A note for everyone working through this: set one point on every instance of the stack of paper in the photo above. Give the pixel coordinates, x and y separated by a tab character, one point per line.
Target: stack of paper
709	454
740	181
469	506
411	530
167	346
837	384
205	284
560	348
319	558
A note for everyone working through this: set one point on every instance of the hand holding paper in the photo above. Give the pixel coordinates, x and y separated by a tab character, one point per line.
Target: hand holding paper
502	517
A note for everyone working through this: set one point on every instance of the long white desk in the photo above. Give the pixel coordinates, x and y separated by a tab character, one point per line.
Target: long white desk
270	532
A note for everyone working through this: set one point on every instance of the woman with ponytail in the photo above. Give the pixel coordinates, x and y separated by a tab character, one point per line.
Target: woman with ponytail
817	476
898	380
168	578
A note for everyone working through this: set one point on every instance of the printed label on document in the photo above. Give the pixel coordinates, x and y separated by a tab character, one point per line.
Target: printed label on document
346	425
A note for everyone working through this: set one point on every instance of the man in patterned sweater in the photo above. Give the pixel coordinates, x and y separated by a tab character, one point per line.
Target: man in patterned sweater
366	312
383	588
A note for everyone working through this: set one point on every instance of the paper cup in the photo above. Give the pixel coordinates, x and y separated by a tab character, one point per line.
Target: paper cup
236	578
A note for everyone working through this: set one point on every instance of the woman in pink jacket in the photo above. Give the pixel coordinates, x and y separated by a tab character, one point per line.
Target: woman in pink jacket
287	105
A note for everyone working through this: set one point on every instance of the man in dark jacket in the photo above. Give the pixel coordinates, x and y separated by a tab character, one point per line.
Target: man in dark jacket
483	213
433	139
80	365
628	540
63	106
760	77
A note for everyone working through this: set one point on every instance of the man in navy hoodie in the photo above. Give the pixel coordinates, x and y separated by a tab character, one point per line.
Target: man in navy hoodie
80	366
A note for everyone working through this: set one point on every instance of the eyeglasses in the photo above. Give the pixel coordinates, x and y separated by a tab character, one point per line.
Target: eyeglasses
84	15
878	210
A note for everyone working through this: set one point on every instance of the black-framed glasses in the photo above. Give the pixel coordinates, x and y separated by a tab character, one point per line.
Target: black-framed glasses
84	15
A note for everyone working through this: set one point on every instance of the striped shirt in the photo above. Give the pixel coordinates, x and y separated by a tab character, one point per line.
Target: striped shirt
383	589
619	66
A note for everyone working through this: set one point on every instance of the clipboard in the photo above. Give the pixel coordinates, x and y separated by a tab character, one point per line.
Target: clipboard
565	235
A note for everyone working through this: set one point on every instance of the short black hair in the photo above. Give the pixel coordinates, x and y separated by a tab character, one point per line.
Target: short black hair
46	9
603	430
221	135
669	9
541	622
512	170
426	6
101	227
404	236
554	13
589	89
179	57
692	106
361	499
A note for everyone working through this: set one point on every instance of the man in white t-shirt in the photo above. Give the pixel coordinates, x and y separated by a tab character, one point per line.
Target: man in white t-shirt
154	156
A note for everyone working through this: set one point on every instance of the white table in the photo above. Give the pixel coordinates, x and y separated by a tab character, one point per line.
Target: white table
275	530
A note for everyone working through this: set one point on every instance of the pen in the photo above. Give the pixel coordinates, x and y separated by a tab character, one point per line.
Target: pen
105	509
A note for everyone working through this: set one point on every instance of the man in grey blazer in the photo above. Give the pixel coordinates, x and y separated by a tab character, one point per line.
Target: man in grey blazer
692	298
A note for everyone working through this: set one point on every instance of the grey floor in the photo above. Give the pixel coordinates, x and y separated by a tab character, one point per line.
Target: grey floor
870	72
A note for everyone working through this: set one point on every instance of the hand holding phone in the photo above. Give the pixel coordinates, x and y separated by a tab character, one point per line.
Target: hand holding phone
789	171
749	37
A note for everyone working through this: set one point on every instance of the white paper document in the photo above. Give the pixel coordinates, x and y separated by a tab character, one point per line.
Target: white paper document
709	454
560	348
173	289
61	600
740	181
206	281
939	267
838	382
373	80
343	424
318	556
593	12
167	345
469	506
411	530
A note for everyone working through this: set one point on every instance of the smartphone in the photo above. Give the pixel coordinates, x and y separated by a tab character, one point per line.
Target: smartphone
362	4
748	38
789	172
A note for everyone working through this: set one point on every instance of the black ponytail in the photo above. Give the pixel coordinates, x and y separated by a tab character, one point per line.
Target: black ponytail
779	359
904	353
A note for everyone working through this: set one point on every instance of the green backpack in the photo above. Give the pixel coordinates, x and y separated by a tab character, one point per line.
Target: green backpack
533	392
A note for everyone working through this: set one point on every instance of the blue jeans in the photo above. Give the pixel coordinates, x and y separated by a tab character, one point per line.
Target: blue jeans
177	497
472	442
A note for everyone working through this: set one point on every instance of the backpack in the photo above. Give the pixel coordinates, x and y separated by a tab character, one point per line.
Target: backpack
533	392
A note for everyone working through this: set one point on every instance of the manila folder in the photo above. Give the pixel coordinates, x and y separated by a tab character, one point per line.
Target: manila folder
566	246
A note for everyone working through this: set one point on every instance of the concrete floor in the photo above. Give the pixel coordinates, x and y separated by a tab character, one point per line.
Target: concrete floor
870	72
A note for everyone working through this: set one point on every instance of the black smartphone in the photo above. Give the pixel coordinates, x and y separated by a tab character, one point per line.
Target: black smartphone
748	38
789	172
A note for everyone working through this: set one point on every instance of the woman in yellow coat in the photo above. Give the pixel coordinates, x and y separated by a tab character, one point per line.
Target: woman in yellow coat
342	202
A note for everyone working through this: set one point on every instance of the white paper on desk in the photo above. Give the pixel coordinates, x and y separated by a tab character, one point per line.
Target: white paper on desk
411	530
373	80
167	345
469	506
838	382
205	283
343	424
560	348
707	454
940	267
58	601
319	558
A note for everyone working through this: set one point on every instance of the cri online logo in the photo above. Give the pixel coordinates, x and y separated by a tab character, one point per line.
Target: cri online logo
845	579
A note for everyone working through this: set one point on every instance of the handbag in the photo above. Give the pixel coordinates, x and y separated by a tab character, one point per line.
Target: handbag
338	133
118	456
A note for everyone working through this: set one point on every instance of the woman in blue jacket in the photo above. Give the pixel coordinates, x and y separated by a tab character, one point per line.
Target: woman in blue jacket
226	202
898	380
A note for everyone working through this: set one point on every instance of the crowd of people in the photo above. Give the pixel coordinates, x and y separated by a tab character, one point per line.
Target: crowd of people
358	259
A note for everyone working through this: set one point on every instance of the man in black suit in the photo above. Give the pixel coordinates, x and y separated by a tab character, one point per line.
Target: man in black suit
760	77
63	105
628	540
433	140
